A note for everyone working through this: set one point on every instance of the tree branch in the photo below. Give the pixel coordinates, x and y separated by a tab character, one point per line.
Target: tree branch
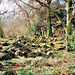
4	12
62	8
44	5
25	11
72	8
30	5
22	9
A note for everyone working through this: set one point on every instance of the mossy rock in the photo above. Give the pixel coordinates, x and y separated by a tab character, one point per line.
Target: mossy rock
33	45
9	73
5	51
43	41
17	44
38	54
18	52
51	39
1	48
38	46
33	40
49	49
24	48
9	63
59	48
24	42
5	44
33	54
50	53
28	61
4	56
22	38
52	44
28	44
45	46
1	66
11	39
12	54
39	61
25	53
43	37
28	40
9	53
45	55
13	50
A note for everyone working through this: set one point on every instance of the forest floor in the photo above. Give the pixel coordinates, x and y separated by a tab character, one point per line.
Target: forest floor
36	56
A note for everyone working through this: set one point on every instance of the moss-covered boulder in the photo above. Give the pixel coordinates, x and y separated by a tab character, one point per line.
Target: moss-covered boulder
39	61
16	44
25	50
1	48
4	56
5	44
33	45
18	52
11	54
38	54
4	51
45	46
33	54
1	66
50	53
39	46
10	73
13	50
24	42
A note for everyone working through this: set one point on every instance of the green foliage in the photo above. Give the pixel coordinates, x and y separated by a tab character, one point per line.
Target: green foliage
45	46
38	54
10	38
39	46
25	72
43	37
29	73
42	40
9	73
28	39
22	38
70	67
31	54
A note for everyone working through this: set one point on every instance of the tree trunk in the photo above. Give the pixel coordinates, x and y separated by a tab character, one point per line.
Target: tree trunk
1	32
49	25
49	29
69	26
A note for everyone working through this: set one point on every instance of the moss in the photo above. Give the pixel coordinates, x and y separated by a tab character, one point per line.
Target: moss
1	32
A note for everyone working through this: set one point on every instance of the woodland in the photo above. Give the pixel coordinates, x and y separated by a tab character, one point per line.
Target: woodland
37	37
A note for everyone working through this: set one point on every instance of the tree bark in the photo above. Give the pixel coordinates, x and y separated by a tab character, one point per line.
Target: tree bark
1	32
49	25
69	26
